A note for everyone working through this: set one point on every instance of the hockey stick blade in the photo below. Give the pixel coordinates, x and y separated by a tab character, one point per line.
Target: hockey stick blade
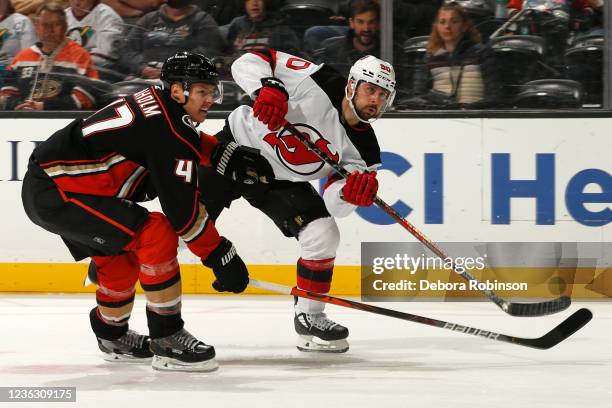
566	328
538	309
513	309
561	332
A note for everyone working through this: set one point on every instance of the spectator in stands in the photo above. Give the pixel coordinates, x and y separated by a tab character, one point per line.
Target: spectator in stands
16	33
596	5
586	21
553	21
410	18
413	18
563	5
177	26
453	65
223	11
567	10
131	10
362	39
47	75
315	35
97	28
259	29
29	7
591	22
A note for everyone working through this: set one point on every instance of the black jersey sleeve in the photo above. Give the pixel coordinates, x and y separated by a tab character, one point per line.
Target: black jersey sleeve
152	131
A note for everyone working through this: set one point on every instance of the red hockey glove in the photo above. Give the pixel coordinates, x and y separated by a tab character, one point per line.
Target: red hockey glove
360	188
271	103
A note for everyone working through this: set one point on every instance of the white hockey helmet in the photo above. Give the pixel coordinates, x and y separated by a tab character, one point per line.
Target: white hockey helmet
375	71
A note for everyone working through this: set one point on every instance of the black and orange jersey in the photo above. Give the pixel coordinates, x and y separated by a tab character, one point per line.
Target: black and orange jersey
58	79
137	147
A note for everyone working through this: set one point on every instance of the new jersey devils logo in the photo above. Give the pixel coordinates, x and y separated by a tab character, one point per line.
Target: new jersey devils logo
294	155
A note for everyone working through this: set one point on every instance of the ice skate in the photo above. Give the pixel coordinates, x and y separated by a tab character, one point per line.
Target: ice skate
182	352
129	348
318	333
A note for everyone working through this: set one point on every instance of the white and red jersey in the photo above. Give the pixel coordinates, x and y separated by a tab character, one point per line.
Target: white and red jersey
315	108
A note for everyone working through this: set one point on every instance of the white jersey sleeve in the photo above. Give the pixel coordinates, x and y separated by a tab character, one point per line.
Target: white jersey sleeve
332	194
250	68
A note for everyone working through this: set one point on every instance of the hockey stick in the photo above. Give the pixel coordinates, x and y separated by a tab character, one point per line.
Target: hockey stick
559	333
512	308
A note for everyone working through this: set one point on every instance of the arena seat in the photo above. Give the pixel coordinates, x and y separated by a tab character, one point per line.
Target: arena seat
411	61
584	63
509	62
550	94
310	12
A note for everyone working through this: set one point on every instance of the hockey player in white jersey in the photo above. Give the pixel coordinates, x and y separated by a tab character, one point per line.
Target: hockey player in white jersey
336	115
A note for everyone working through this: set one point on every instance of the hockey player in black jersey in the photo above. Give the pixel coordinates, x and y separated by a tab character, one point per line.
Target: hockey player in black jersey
335	114
85	181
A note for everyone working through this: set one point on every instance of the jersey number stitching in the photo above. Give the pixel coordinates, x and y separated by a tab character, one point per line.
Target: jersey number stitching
124	117
297	64
184	169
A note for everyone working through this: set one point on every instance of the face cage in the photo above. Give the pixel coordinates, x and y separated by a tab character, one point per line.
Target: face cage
217	94
383	109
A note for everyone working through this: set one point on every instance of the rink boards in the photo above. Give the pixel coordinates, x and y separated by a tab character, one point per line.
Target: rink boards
458	180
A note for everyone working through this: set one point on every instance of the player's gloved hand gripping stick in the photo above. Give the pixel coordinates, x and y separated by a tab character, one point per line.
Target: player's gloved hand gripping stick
360	188
271	104
512	308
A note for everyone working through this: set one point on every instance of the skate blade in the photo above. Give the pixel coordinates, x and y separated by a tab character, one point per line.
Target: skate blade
315	344
125	359
170	364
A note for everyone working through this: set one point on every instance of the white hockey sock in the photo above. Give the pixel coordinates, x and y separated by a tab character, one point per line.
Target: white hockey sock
309	306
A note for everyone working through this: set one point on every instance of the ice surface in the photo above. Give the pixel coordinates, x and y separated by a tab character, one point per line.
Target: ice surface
46	341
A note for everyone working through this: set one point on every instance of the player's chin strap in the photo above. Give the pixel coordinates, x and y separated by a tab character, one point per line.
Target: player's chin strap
352	105
186	86
216	99
383	108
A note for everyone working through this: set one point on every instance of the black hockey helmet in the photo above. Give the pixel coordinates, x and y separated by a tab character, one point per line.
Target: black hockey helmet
189	68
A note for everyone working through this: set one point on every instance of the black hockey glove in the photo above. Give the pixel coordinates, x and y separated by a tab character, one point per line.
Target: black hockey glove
229	269
241	163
